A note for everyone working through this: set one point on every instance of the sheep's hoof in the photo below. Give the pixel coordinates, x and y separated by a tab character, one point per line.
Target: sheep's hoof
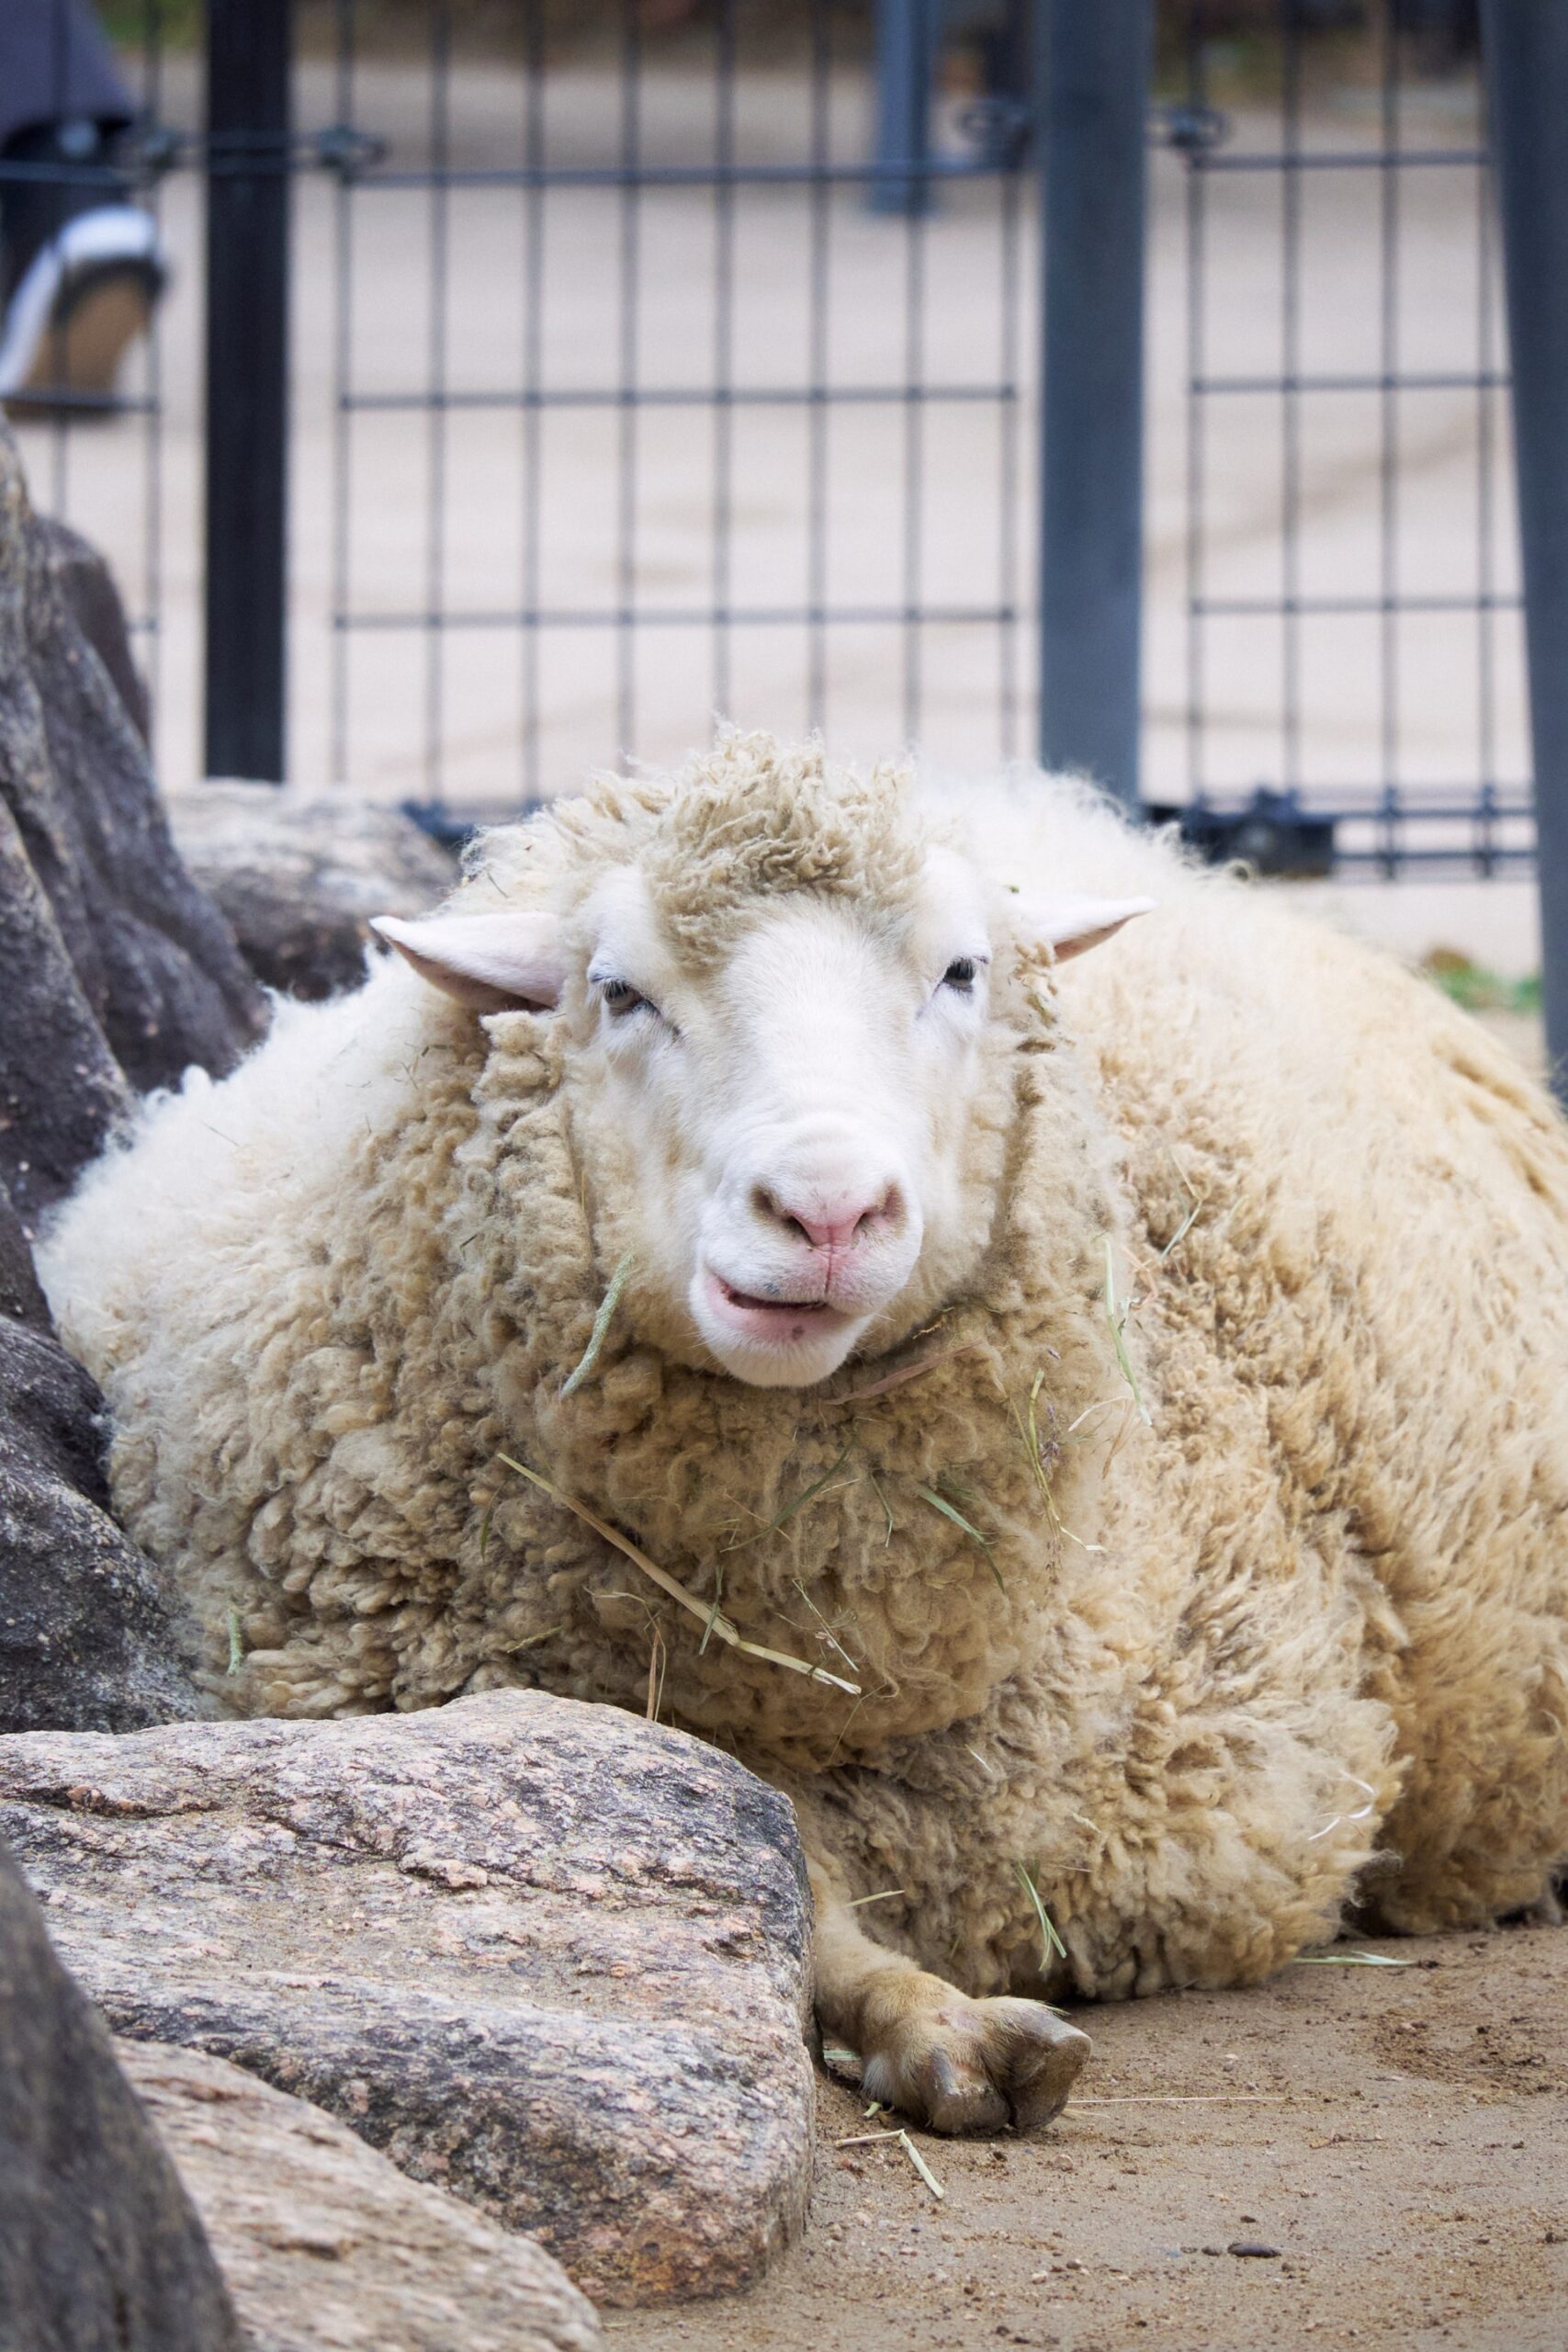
962	2066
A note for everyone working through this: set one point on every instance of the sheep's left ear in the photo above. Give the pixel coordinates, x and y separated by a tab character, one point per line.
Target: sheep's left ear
493	963
1068	923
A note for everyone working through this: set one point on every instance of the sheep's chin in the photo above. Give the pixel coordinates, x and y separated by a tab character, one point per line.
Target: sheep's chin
796	1355
797	1367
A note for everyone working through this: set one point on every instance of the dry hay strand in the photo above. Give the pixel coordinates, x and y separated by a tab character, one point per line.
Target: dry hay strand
708	1615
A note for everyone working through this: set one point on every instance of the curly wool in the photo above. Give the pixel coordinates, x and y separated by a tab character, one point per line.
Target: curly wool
1299	1641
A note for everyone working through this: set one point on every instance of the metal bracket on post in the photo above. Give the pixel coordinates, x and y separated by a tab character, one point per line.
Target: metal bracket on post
249	56
1092	94
1524	46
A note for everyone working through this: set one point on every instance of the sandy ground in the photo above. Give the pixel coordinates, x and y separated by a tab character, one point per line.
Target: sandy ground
1398	2136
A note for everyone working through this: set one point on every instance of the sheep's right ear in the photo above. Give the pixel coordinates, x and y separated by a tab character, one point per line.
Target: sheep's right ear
495	963
1070	924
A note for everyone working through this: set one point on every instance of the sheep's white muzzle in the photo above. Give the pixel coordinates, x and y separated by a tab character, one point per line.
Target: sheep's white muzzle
801	1247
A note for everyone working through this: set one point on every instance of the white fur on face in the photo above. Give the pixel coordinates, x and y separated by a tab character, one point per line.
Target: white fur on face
792	1124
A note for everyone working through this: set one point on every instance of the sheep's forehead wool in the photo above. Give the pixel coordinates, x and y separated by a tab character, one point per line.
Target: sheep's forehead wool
749	819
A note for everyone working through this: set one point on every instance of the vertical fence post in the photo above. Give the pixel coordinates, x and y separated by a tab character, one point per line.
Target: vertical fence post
1093	64
1525	49
248	58
907	39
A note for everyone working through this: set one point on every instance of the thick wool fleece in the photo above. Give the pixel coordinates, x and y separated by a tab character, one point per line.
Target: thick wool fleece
1302	1641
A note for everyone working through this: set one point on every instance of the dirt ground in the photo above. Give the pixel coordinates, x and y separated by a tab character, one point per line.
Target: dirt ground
1397	2136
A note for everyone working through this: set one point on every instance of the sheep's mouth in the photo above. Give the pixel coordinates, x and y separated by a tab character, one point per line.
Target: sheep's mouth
771	1343
753	1305
787	1324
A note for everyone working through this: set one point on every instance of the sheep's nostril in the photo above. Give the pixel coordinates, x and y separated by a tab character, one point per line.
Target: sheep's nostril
772	1210
888	1210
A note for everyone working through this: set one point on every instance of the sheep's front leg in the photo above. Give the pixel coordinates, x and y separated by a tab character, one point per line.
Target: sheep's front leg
956	2063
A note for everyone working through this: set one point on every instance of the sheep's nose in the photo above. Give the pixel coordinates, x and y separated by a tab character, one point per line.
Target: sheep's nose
831	1221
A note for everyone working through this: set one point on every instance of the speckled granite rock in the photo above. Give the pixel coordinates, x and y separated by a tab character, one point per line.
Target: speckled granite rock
92	596
299	874
100	2248
324	2246
88	1642
116	971
541	1953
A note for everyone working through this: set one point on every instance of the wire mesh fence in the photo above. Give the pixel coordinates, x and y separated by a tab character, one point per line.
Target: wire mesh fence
698	399
1352	645
654	362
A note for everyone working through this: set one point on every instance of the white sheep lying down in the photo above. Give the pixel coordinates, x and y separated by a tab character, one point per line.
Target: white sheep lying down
1089	1427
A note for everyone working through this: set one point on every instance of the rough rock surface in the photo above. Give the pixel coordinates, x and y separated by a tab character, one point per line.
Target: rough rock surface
541	1953
21	1293
88	587
299	876
100	2249
85	1641
115	969
61	1092
324	2246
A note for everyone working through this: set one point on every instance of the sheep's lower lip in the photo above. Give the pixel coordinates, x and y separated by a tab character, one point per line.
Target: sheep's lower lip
777	1321
774	1306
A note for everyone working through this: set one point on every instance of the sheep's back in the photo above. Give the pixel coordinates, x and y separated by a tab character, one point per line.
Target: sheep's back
1353	1206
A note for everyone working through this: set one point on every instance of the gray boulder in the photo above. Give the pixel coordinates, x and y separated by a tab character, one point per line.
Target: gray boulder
116	971
88	587
61	1092
100	2248
327	2247
299	875
544	1955
86	1643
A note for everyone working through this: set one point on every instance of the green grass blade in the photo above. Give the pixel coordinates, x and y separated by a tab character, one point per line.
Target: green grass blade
799	1503
940	1503
1051	1944
1118	1336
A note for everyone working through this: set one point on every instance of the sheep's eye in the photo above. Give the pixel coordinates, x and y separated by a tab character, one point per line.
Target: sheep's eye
960	974
619	996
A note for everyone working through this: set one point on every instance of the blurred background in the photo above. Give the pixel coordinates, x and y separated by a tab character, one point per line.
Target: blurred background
642	360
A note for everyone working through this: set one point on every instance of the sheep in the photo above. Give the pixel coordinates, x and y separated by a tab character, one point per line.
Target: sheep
1088	1425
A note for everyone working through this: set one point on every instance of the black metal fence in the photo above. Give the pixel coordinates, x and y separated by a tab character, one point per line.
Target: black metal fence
1360	671
756	303
649	363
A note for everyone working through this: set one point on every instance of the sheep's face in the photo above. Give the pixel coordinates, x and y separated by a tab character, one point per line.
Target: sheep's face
798	1137
791	1120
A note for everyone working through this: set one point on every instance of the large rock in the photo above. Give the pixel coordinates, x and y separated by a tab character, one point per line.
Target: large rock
21	1293
88	587
100	2249
544	1955
86	1643
325	2247
116	971
61	1092
299	874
